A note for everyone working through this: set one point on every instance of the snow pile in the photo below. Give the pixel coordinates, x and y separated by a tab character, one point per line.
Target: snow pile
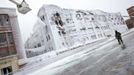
78	45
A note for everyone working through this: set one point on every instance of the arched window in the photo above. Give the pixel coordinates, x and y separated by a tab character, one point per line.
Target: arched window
42	18
78	16
57	19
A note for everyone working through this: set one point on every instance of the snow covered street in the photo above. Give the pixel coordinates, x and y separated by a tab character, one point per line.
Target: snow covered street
106	58
43	60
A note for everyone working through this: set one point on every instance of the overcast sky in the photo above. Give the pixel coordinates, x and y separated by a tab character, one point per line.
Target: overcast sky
27	21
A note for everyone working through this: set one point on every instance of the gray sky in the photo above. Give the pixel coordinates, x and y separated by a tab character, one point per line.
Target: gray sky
27	21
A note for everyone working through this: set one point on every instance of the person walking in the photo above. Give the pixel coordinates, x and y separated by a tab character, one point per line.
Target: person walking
118	37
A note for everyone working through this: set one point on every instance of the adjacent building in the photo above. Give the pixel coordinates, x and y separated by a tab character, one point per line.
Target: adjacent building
35	45
131	11
11	48
130	22
64	28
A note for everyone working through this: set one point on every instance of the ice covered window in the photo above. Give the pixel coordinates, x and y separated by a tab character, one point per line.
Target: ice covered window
92	19
93	36
46	28
57	19
63	43
42	18
115	18
104	18
83	28
57	14
63	32
35	47
67	20
39	44
78	16
49	37
60	22
99	35
46	38
59	33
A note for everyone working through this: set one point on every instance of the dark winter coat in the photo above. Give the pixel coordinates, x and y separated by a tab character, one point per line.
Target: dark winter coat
117	35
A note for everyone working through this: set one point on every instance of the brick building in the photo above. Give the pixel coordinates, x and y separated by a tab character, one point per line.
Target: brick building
11	48
130	22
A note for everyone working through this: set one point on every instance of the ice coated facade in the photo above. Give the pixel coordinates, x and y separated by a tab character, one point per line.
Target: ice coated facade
59	28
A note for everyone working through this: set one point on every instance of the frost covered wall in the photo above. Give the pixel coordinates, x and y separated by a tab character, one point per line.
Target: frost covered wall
68	27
